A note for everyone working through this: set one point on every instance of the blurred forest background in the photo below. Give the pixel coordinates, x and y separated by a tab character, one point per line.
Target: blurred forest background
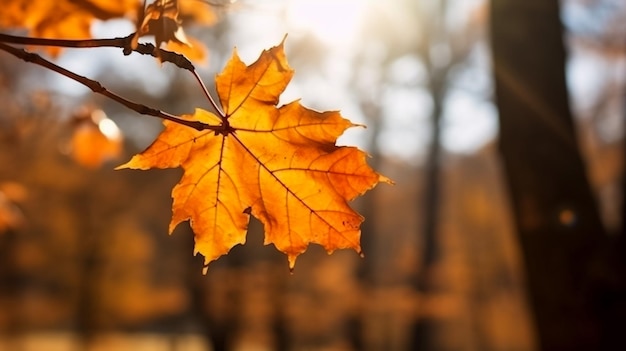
504	230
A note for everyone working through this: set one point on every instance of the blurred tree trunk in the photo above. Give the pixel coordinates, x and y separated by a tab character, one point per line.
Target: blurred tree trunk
217	327
370	269
10	286
373	270
425	327
432	168
437	73
89	261
556	218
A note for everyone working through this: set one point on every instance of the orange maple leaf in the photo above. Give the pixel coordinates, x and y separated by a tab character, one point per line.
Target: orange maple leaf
279	164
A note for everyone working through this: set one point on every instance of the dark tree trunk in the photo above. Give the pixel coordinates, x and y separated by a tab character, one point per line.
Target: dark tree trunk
425	328
11	283
90	260
432	170
557	221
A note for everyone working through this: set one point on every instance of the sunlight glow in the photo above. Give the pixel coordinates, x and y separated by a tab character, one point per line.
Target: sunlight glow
331	21
106	125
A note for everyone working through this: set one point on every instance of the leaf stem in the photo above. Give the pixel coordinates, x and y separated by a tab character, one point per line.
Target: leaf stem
208	96
123	43
96	87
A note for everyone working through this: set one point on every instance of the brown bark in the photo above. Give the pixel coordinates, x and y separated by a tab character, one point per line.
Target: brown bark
556	218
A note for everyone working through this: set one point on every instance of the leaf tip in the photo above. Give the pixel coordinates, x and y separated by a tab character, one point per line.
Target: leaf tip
126	165
383	179
174	222
292	262
135	162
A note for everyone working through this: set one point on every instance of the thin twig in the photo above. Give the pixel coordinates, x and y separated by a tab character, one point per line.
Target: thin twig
96	87
82	43
206	93
125	44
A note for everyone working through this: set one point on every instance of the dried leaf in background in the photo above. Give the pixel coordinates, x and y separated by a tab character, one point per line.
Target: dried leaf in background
96	139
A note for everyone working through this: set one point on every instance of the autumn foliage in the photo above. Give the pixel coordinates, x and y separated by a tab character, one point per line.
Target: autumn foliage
250	156
64	19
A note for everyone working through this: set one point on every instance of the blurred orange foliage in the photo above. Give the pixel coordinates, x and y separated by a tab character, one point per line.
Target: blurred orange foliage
96	139
11	194
72	19
62	19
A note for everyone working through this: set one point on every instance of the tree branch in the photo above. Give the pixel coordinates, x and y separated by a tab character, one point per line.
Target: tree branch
96	87
125	44
122	42
90	43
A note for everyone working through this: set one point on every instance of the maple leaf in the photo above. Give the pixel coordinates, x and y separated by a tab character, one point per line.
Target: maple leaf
279	164
162	20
